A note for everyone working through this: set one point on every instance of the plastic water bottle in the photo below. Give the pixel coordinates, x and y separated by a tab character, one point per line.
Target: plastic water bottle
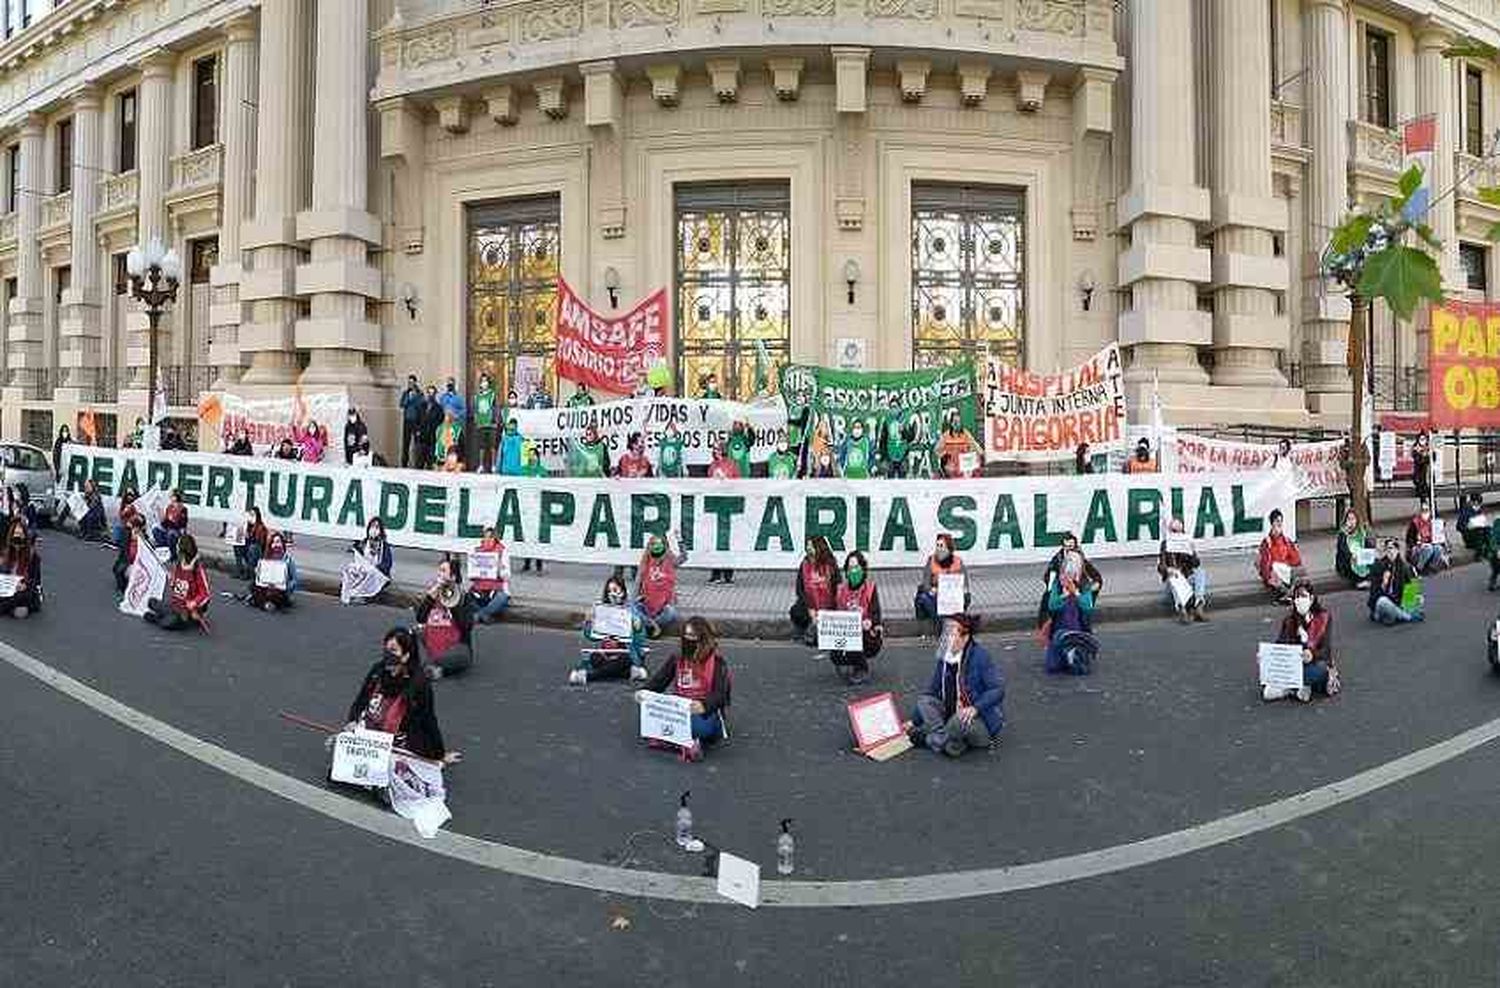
786	849
684	822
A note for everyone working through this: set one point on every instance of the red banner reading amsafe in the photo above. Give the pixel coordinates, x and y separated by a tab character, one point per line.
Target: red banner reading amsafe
609	353
1463	364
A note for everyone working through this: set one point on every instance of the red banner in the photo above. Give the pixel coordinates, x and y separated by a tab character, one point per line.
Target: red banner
609	353
1463	364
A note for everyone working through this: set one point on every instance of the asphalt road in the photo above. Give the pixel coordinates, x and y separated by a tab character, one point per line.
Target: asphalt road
126	863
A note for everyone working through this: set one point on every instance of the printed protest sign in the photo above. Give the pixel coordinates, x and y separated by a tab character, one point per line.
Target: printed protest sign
418	794
609	353
268	420
950	594
1439	531
146	580
1365	558
1031	416
877	726
1179	545
361	580
484	565
271	573
1182	591
612	621
841	631
1317	466
665	717
9	584
1280	666
362	757
234	535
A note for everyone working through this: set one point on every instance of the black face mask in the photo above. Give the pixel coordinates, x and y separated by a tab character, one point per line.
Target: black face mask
690	648
393	671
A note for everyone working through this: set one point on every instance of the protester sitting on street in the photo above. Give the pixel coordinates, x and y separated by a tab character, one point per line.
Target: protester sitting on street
174	522
817	588
1279	562
91	525
1352	538
1071	647
669	462
608	656
1474	525
588	456
1092	579
656	585
188	595
127	511
130	544
1389	602
857	593
963	706
447	624
254	533
1184	581
19	558
512	446
701	674
943	562
21	506
373	550
274	596
491	595
722	467
396	698
1310	625
1425	555
634	464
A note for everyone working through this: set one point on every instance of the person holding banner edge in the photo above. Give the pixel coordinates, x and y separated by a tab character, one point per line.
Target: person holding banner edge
700	673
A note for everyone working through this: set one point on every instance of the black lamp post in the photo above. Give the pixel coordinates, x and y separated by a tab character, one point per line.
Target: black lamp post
155	273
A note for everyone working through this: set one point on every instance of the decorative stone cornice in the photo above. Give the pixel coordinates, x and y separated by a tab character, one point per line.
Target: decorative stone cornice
665	79
724	77
1031	90
786	77
973	82
552	97
912	73
453	113
502	104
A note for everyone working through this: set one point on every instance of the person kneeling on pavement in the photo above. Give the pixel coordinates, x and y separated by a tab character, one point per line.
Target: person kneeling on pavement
701	674
943	562
1310	625
1071	647
491	595
447	624
188	594
1395	591
271	591
20	560
609	656
1474	525
1093	580
1425	555
1184	582
91	525
817	588
858	593
396	698
1353	538
963	706
1279	562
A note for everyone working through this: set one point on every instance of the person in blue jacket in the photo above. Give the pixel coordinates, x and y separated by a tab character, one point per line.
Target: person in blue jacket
1072	646
452	401
963	706
512	445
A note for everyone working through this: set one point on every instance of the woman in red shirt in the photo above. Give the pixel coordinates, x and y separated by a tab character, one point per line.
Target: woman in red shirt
701	674
721	467
1279	563
817	588
656	585
188	595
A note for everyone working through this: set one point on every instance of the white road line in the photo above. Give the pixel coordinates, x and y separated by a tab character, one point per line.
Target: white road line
661	885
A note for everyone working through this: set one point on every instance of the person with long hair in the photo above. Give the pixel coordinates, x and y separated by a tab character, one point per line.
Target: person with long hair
610	656
1071	645
944	561
1092	578
20	559
131	544
656	585
174	523
266	594
699	672
1308	624
857	593
119	534
1082	462
1352	538
491	595
396	697
91	525
446	619
817	588
253	535
188	594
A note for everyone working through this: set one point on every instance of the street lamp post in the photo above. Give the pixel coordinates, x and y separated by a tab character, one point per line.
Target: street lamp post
154	275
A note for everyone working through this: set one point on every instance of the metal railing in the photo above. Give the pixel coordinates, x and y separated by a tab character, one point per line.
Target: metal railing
184	384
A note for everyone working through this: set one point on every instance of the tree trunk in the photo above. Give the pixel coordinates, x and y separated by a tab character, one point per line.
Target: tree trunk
1358	469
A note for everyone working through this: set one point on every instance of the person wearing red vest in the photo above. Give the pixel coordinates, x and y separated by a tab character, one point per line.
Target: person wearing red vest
447	620
817	589
634	464
174	521
722	467
396	697
943	562
656	585
490	597
269	597
187	592
701	674
858	593
1425	555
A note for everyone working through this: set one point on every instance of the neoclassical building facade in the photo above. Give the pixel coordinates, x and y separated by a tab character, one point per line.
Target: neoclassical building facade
362	189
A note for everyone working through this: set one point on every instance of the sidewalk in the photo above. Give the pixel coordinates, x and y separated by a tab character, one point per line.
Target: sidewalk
755	605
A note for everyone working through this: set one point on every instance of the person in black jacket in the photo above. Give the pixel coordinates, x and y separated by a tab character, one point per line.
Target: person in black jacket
19	559
64	436
396	697
446	616
241	445
429	420
1092	578
1421	467
1388	579
701	674
355	432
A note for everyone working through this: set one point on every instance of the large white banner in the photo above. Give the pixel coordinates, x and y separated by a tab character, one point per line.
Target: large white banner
755	523
270	420
1031	416
1315	465
702	422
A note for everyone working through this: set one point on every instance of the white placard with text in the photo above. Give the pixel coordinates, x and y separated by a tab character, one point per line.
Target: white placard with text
1280	666
950	594
841	631
665	717
362	757
612	621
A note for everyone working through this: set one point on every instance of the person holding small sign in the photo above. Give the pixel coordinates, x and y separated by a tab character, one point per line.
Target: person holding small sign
1279	562
446	618
1184	581
91	523
20	574
396	697
1394	589
612	652
857	594
275	577
817	588
1071	647
121	531
1310	625
1092	579
963	706
251	543
188	593
699	673
174	522
366	574
489	578
959	447
1354	553
1426	544
943	562
656	585
131	544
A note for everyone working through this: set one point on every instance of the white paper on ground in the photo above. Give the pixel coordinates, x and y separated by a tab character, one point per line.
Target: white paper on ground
739	880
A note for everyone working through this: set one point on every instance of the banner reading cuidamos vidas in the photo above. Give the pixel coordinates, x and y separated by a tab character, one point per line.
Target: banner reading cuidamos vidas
1463	366
269	420
701	421
753	524
1316	466
1031	416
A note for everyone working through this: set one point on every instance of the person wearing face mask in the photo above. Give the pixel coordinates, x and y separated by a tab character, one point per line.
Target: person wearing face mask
580	398
943	562
782	463
488	596
588	456
669	452
396	697
1421	467
484	423
1092	579
512	446
253	545
1310	625
710	387
737	448
453	402
1072	647
1180	570
701	674
722	467
817	589
430	420
634	465
899	431
411	421
955	442
1352	539
20	559
358	584
857	593
1425	555
174	523
531	466
1474	525
608	657
656	585
1279	562
446	619
131	544
188	594
1389	601
355	431
823	468
91	525
1142	461
855	453
270	596
539	398
964	705
241	446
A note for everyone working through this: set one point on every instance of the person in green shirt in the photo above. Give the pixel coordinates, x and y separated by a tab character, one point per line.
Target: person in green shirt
484	422
531	466
588	456
669	452
738	447
897	444
581	398
855	453
783	463
711	386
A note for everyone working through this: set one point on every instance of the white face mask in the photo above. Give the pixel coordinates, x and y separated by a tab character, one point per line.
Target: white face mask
1303	605
953	655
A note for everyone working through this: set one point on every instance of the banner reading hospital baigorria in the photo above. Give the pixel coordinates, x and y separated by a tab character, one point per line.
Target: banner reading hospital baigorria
1031	416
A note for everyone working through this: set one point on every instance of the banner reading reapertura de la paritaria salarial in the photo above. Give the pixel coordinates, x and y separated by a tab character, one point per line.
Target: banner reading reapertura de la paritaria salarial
753	524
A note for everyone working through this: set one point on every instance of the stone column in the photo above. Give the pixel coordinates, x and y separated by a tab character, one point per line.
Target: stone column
79	325
225	312
1436	98
153	160
25	329
1325	308
1248	334
339	277
1164	264
282	128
